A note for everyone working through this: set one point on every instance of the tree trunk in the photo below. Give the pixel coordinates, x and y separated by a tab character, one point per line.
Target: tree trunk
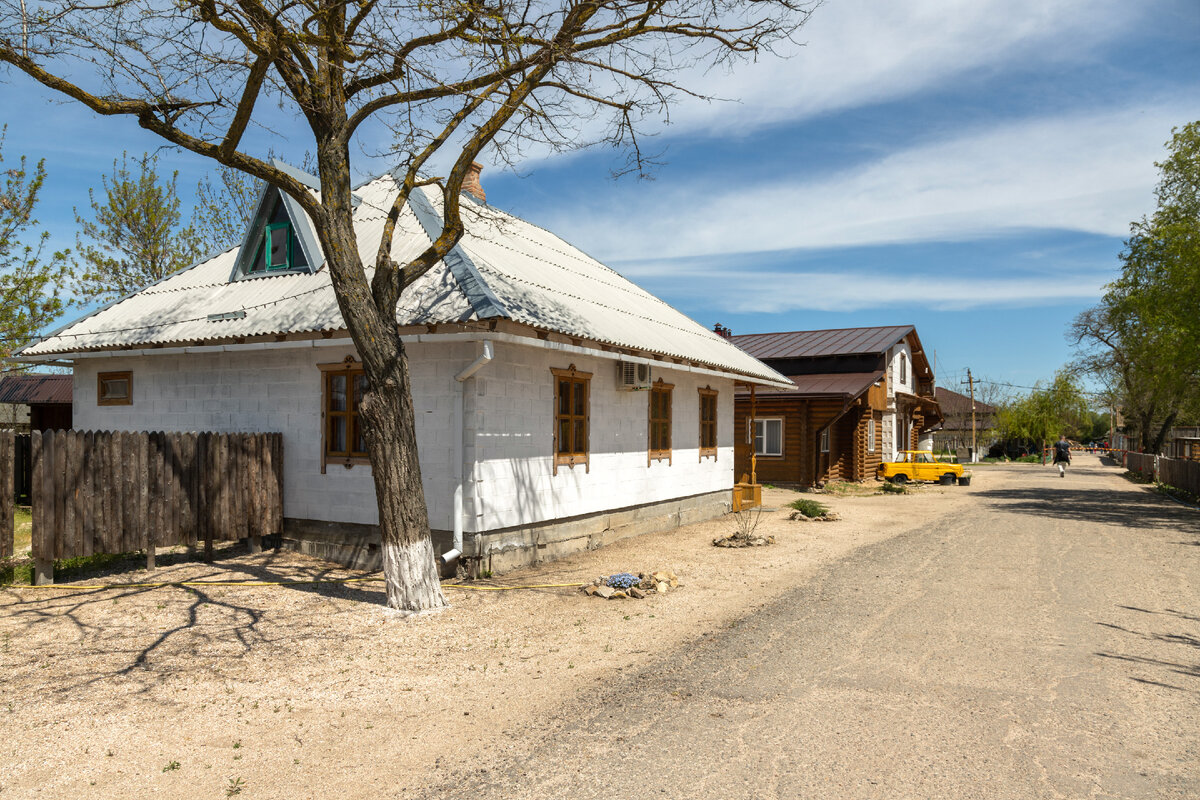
1161	436
389	425
409	565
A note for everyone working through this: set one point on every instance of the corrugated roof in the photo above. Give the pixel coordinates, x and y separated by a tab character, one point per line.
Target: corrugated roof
814	344
504	267
31	389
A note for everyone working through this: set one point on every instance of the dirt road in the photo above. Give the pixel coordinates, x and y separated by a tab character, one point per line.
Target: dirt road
1042	641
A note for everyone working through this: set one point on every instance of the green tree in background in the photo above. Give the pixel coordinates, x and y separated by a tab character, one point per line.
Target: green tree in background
1059	408
30	278
136	235
224	208
1143	339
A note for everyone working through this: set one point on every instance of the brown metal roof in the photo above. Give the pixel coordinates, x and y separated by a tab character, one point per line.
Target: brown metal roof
812	344
954	403
36	389
841	384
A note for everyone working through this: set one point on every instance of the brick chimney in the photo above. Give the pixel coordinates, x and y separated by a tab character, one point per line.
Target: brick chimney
721	330
471	184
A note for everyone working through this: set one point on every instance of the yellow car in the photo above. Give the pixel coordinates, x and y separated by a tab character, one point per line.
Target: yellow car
919	465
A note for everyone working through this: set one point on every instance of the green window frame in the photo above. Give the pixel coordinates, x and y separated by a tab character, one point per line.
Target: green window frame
269	235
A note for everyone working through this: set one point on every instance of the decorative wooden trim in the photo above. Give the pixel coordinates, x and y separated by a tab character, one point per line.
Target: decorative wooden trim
659	454
709	452
579	457
125	375
350	368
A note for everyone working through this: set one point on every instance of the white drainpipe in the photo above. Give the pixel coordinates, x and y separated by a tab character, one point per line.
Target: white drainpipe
460	450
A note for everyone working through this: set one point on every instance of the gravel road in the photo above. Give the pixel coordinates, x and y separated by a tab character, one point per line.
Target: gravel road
1043	643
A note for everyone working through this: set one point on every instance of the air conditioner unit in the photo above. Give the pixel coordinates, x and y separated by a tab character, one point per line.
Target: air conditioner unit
632	377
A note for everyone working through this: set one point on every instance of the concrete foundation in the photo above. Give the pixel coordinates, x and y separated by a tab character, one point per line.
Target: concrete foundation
357	546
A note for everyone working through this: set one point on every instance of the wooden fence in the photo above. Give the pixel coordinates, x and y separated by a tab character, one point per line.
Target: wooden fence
23	467
1141	463
1177	472
113	492
7	499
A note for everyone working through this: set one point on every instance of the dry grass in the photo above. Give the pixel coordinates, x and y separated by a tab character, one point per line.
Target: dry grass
313	691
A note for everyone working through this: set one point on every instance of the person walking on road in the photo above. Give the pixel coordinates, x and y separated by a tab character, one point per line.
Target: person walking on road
1062	455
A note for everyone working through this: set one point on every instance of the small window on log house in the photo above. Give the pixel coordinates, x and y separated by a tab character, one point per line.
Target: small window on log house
571	417
114	389
871	435
708	423
343	390
660	421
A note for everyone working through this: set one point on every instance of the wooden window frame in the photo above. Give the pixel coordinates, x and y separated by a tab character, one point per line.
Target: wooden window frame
659	454
824	439
751	433
709	452
125	375
575	458
350	368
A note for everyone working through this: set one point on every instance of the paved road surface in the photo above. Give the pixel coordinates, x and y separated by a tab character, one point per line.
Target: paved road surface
1044	645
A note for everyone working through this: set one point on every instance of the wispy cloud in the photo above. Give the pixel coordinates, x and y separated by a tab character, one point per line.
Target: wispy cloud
1090	173
859	52
780	291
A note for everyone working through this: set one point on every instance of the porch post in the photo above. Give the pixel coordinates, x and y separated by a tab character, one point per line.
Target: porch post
753	428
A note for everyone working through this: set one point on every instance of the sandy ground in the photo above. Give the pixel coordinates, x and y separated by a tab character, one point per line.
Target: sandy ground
320	691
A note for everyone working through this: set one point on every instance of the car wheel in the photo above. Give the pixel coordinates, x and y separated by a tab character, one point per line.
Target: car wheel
901	478
950	478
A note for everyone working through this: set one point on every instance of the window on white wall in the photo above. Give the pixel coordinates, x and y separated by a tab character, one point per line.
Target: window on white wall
768	437
903	369
871	435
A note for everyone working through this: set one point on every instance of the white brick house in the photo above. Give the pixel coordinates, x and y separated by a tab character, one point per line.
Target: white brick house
534	439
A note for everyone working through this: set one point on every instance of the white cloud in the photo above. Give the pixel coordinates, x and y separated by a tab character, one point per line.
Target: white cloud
1091	173
859	52
773	292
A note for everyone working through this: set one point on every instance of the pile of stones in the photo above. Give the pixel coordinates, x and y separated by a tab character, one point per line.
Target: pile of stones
828	516
624	585
743	539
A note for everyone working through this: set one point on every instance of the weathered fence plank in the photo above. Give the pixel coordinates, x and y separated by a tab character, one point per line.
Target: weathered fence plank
8	469
98	492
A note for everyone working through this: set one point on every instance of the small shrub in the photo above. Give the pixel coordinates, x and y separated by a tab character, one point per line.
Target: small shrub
235	787
809	508
894	488
171	766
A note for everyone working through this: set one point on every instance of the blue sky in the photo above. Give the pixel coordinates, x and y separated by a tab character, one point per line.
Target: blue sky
969	166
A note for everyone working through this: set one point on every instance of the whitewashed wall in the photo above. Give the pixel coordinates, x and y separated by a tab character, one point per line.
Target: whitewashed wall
509	420
278	390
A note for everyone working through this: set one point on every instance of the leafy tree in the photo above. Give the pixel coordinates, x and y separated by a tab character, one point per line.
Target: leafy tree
447	80
135	236
30	277
1143	339
224	209
1047	412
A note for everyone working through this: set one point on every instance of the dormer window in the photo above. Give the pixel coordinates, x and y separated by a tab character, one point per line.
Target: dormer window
280	239
278	247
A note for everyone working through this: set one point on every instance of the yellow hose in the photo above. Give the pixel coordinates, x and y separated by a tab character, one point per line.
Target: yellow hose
68	586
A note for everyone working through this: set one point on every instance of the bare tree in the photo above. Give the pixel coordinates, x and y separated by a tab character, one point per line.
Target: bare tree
448	77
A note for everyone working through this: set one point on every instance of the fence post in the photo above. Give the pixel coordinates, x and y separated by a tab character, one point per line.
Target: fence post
8	490
42	496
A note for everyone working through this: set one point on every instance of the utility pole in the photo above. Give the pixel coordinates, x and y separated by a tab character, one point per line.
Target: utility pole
974	451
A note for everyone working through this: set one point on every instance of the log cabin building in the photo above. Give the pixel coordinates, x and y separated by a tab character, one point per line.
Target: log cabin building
859	396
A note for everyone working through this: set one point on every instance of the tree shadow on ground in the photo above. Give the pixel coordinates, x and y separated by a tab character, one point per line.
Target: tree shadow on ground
1159	649
220	619
1099	505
